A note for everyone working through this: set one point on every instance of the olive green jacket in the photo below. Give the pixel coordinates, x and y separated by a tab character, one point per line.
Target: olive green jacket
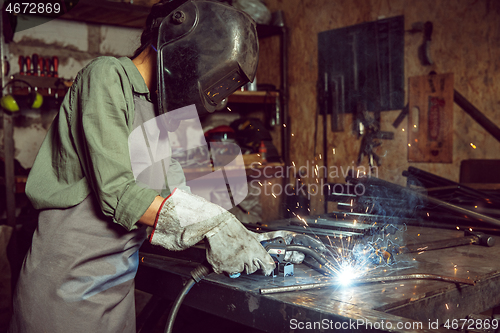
86	148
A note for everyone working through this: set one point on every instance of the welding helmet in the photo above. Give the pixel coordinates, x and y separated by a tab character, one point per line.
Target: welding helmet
206	50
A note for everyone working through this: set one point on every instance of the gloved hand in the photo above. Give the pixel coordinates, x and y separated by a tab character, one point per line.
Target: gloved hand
184	219
292	238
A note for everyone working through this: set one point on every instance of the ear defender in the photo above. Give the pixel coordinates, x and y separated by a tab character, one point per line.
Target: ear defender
14	102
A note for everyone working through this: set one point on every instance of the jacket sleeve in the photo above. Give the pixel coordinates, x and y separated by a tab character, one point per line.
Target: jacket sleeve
103	98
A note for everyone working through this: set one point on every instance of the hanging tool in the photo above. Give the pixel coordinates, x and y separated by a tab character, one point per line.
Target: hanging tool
41	70
34	59
424	51
48	64
55	66
28	65
22	65
370	140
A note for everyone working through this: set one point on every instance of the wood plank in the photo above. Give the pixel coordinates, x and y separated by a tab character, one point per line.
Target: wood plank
259	97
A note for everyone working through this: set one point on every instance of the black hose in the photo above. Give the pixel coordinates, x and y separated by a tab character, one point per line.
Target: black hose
177	304
197	274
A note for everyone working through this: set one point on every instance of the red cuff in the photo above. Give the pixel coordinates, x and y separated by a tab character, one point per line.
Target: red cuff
158	214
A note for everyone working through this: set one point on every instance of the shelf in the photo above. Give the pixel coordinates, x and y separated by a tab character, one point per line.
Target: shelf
45	85
19	183
254	97
131	15
264	31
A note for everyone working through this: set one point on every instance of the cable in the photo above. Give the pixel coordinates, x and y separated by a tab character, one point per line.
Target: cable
197	274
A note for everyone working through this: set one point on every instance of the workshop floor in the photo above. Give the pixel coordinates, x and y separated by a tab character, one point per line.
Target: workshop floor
189	320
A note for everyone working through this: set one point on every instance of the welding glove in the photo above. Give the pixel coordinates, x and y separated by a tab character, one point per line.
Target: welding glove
292	238
185	219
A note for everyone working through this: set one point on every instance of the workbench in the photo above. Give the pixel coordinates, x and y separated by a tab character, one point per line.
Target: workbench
402	306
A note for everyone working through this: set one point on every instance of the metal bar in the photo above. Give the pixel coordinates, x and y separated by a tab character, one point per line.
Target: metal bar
477	115
266	291
458	209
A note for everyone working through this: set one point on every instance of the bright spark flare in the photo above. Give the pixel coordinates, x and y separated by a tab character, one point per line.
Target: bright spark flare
346	274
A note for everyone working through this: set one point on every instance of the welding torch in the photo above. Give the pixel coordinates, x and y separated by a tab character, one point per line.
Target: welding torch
277	249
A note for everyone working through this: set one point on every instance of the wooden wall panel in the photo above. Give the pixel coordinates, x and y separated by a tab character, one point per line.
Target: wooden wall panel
465	42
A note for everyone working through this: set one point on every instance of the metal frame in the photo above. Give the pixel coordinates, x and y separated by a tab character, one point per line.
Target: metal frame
8	142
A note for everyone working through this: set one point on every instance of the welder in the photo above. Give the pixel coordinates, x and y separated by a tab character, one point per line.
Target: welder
79	273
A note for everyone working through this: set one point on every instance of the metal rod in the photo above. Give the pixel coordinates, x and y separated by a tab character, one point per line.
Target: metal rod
441	244
428	177
457	209
477	115
417	276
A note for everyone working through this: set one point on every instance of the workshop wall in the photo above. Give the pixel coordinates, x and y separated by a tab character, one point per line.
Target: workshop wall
75	44
465	41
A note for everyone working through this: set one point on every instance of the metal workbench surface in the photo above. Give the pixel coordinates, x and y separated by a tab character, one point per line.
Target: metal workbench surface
401	306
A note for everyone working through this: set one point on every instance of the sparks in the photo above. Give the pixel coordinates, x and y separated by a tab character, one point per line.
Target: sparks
473	145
